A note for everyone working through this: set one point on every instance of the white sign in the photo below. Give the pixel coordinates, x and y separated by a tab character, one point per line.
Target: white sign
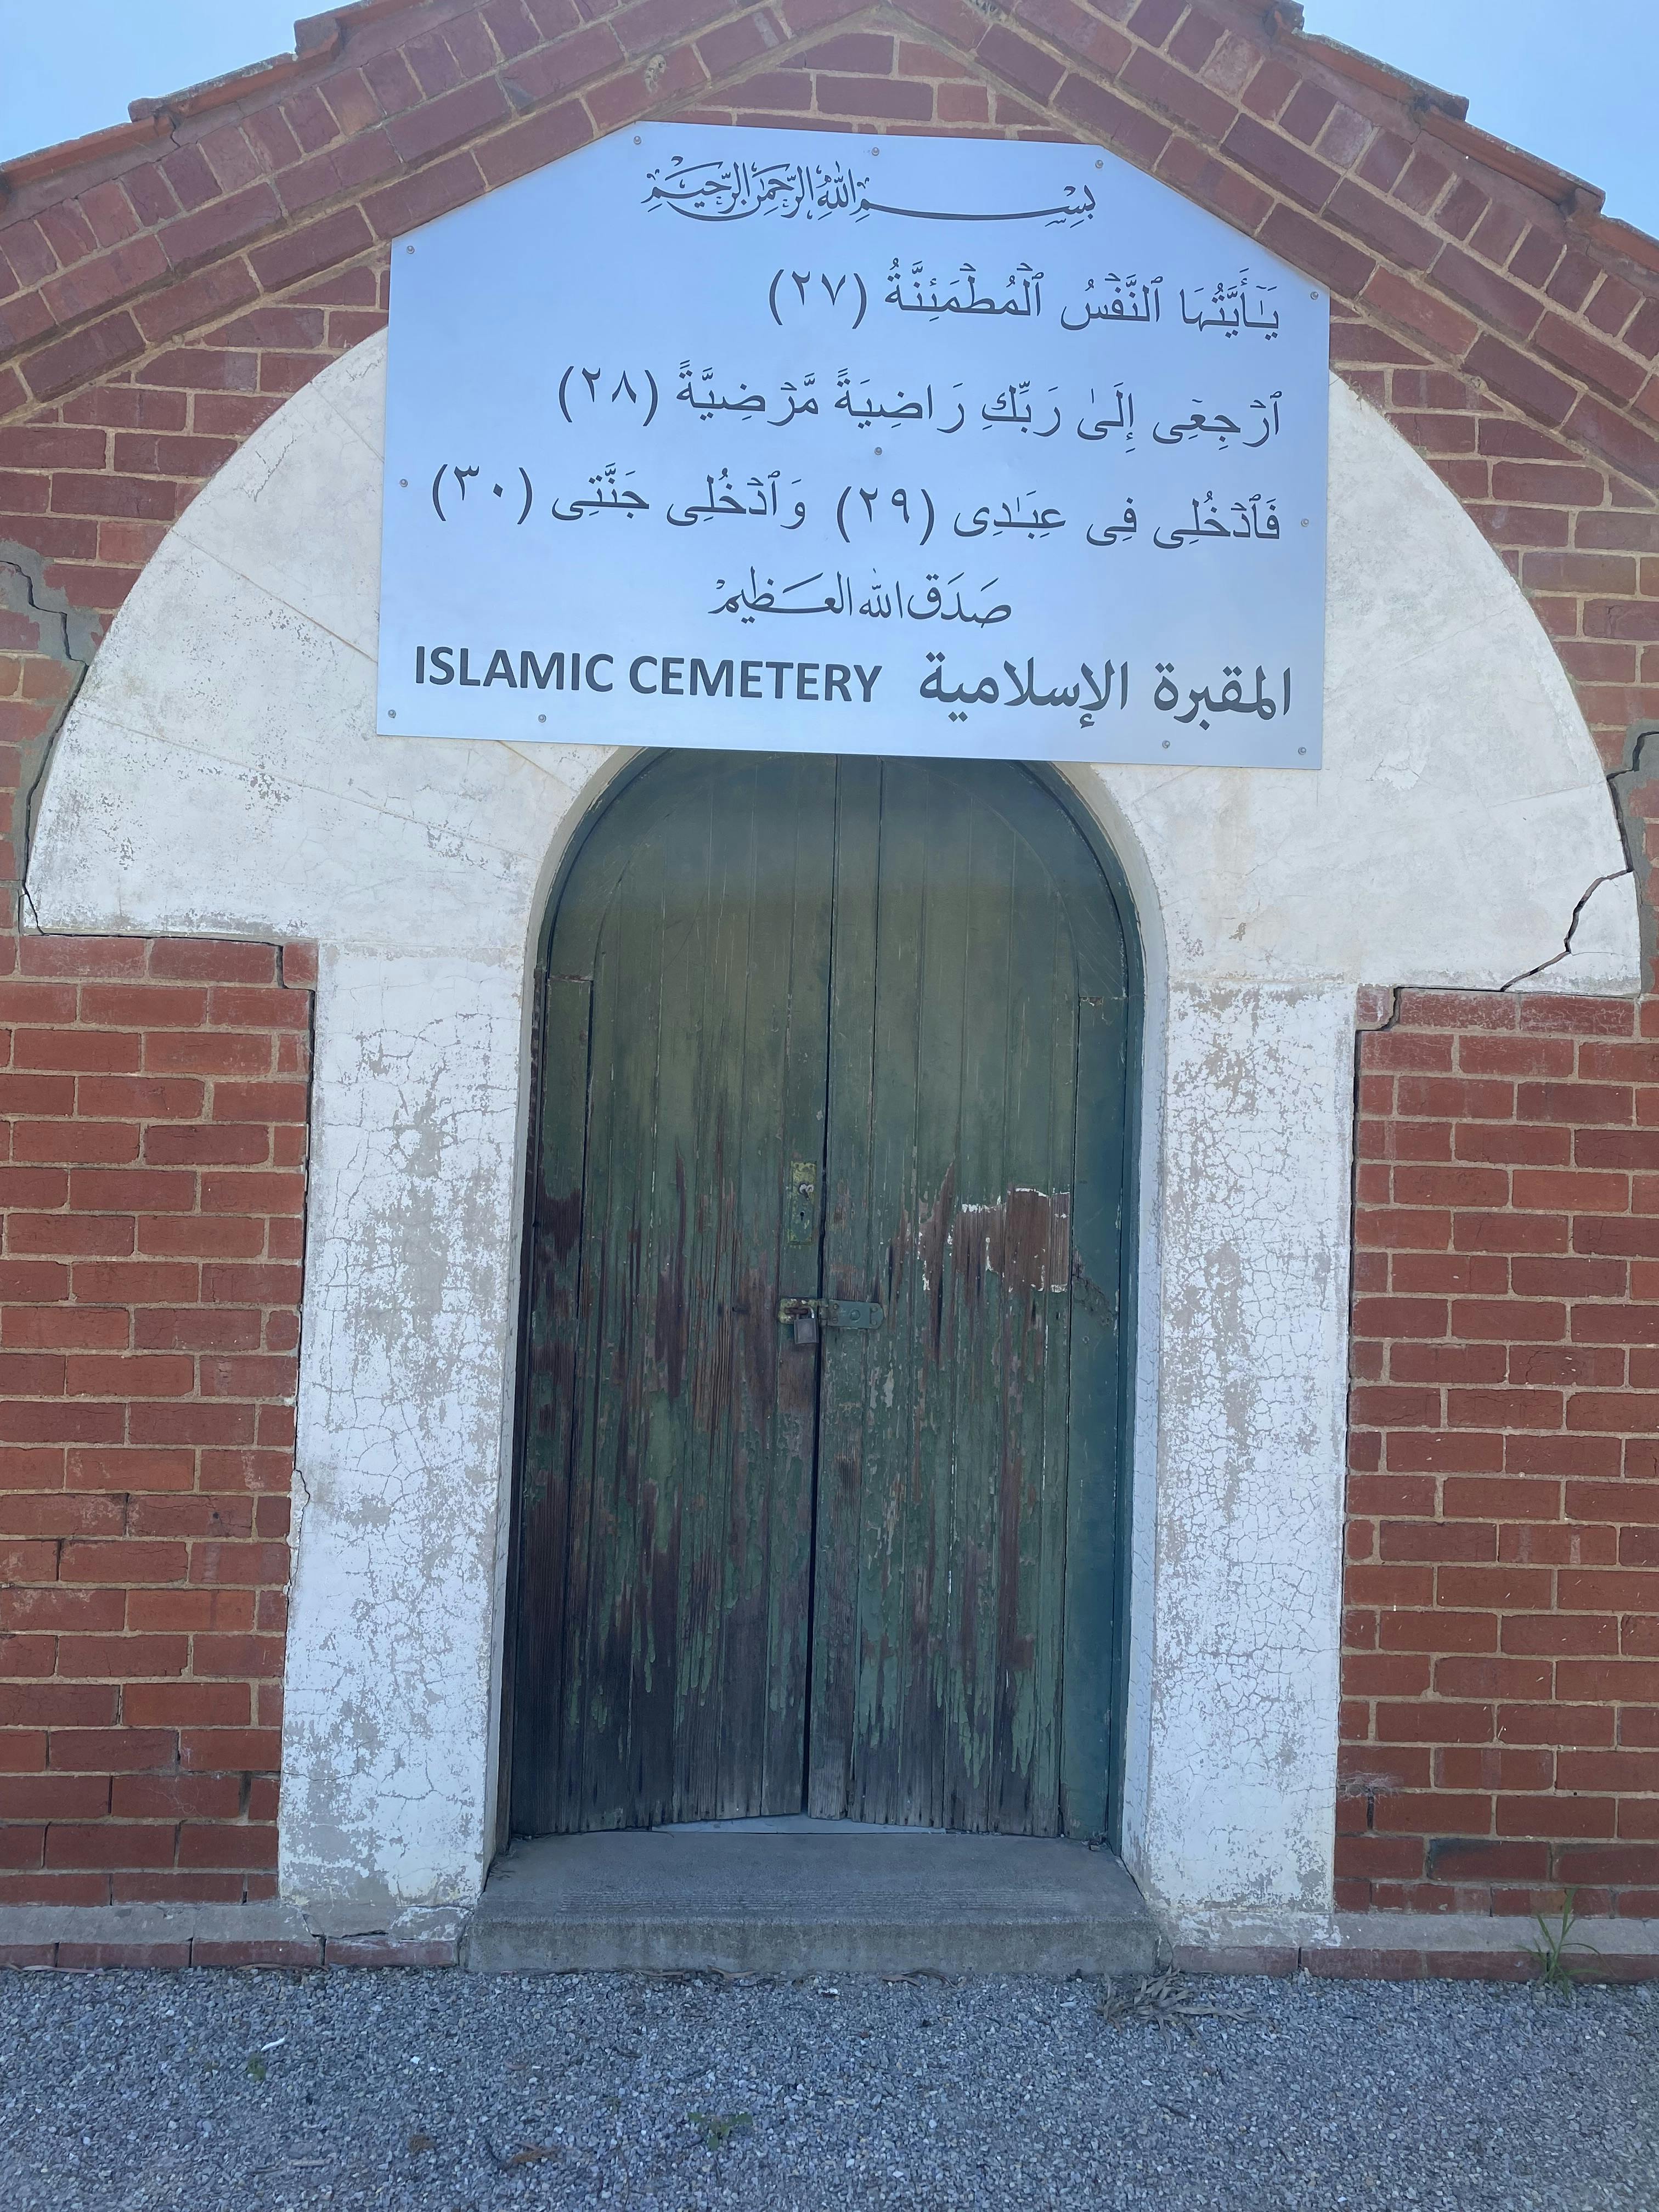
956	447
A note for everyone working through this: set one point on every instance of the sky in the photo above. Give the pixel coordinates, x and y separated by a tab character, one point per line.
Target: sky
1576	85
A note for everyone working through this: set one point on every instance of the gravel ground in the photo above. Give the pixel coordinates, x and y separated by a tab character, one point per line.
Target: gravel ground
135	2091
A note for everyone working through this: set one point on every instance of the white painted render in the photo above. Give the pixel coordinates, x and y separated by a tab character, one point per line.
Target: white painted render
219	774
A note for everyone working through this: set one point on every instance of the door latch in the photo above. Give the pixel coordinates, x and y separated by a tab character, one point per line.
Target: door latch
804	1315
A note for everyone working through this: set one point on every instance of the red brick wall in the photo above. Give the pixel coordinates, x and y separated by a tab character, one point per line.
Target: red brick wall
152	1177
163	290
1501	1639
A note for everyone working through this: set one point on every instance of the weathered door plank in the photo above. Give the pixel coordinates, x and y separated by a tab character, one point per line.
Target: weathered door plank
1089	1755
551	1393
1026	1283
903	1776
846	1273
617	1778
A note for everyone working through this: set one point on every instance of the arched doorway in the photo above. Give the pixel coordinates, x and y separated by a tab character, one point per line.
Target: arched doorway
822	1439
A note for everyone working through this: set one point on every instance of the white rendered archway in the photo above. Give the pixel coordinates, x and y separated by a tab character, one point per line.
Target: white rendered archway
220	775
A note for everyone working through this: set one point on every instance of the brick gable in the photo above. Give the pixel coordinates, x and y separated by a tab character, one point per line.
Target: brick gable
165	286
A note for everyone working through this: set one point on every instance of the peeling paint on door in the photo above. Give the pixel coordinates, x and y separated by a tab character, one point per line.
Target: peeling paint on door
767	1563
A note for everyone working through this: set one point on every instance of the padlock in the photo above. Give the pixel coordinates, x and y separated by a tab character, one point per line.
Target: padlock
806	1328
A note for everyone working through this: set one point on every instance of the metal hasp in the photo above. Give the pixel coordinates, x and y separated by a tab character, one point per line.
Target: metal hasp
834	1313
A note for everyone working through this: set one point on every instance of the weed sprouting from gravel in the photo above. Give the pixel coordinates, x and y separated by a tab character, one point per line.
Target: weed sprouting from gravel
717	2129
1555	1965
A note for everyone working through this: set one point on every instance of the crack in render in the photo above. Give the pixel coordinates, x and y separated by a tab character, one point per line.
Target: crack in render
14	562
1617	876
300	1491
1640	763
1641	758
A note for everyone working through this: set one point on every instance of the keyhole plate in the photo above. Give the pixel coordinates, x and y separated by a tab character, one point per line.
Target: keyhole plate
802	1216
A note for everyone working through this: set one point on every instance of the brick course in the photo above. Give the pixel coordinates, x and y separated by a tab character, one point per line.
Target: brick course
1501	1632
164	286
152	1177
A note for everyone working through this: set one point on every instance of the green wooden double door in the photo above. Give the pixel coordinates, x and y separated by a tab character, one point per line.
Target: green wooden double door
821	1423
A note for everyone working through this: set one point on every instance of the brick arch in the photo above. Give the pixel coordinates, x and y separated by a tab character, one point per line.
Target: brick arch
229	695
163	287
166	283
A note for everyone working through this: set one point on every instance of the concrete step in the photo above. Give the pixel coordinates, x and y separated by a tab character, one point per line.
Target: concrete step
810	1897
